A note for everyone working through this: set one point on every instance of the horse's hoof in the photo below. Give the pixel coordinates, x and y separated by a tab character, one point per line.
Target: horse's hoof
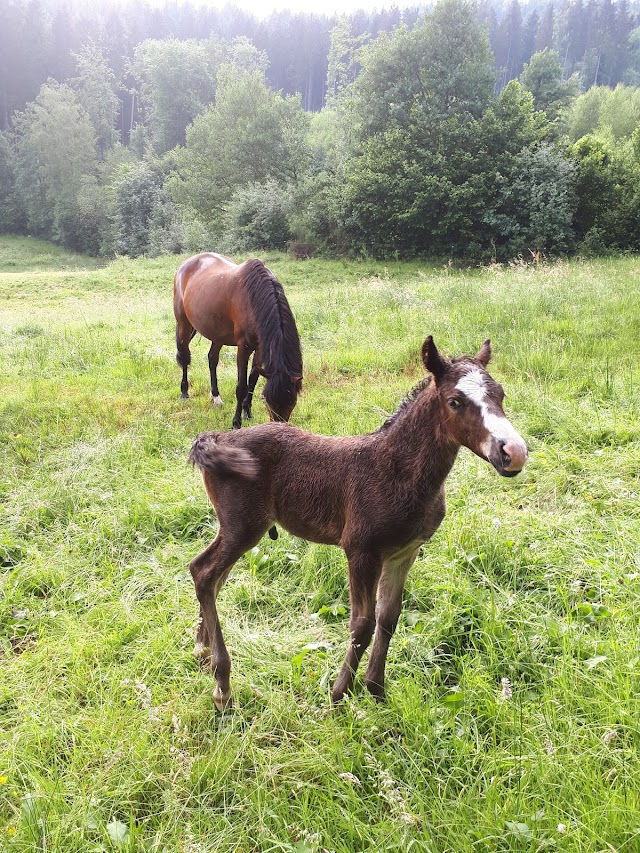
338	696
247	416
184	395
236	425
217	401
221	699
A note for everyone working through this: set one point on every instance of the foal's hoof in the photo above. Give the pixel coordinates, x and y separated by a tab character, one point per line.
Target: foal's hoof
217	401
377	691
184	395
221	698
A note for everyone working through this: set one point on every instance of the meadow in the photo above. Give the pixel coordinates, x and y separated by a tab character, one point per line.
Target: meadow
513	709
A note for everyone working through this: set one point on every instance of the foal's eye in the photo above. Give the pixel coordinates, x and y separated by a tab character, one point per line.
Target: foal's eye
454	402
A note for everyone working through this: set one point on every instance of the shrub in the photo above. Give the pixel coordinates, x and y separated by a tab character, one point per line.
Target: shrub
258	217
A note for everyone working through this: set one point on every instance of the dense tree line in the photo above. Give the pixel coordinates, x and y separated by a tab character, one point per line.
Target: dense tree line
477	132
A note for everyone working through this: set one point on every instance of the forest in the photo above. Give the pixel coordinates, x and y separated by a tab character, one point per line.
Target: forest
476	132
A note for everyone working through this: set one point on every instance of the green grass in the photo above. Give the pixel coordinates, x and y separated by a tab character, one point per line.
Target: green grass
109	738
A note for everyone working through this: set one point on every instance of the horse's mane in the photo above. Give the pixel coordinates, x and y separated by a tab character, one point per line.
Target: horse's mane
405	404
278	338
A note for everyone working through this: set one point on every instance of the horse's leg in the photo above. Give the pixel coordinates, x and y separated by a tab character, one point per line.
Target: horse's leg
389	604
184	334
214	355
241	388
209	571
364	572
251	385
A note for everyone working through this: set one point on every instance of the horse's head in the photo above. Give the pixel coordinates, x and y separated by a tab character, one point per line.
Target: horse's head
471	408
281	394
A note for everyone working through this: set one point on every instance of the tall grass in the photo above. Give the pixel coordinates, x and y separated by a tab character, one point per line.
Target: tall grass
513	680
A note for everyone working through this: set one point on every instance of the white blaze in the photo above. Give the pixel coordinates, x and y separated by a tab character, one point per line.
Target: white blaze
472	385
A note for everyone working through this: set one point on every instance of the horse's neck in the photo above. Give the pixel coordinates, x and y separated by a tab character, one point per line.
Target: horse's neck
417	447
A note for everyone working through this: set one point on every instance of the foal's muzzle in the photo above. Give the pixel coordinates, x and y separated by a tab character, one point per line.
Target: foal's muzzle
509	457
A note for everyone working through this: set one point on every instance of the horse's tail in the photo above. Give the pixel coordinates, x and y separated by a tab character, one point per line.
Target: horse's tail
208	455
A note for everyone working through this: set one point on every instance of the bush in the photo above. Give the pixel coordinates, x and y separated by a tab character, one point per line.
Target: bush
146	220
82	223
536	206
258	217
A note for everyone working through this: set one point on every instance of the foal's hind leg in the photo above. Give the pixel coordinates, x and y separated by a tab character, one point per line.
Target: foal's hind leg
214	355
210	570
364	571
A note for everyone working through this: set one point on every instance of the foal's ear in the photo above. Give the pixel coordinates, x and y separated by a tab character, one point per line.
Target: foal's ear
432	359
484	354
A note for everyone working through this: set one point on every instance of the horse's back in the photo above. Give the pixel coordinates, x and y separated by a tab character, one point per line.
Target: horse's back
206	294
206	266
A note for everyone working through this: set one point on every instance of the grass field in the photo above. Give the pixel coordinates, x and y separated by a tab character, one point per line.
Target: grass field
109	738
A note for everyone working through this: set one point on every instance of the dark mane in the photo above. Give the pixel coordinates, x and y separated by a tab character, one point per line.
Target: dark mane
405	404
278	338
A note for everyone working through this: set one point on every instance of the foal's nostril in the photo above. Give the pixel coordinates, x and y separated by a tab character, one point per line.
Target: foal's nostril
504	456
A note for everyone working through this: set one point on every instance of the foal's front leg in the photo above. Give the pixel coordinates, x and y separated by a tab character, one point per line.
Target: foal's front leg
389	605
364	572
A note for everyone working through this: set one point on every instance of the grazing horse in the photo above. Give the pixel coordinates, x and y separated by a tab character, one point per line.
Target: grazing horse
240	305
378	496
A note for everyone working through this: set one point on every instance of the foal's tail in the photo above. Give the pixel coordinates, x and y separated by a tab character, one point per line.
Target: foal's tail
207	454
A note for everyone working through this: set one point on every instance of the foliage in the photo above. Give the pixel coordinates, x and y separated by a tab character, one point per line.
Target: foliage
12	216
251	135
176	80
614	111
55	157
437	188
438	70
257	216
422	146
342	60
145	219
543	77
607	191
535	212
95	86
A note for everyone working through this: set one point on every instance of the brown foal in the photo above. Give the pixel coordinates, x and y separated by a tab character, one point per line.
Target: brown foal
378	496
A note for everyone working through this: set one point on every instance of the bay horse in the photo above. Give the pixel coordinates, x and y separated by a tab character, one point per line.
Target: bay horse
378	496
241	305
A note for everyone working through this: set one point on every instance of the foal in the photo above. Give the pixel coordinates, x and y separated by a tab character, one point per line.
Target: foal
378	496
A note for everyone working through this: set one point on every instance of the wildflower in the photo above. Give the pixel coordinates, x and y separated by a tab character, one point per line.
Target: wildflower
144	693
562	828
497	523
506	689
349	777
607	737
3	780
549	747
